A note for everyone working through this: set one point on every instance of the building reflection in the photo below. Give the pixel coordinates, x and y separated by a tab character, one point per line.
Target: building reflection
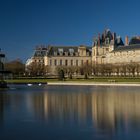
115	111
105	111
62	107
4	101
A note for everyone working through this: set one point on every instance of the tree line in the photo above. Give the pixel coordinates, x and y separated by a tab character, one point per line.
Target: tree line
17	67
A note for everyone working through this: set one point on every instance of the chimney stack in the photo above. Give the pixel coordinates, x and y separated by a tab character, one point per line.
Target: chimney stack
126	41
114	37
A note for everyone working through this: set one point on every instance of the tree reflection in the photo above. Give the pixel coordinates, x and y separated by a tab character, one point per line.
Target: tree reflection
3	102
109	111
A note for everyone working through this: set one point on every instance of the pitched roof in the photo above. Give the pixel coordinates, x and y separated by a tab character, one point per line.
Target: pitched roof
57	49
134	40
127	48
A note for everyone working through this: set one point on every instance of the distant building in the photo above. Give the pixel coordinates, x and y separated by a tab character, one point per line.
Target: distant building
57	56
38	56
103	45
67	56
125	54
108	48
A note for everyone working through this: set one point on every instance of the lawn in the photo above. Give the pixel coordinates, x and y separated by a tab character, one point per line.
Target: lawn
95	79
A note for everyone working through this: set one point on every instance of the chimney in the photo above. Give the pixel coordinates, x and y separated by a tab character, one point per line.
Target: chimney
114	37
98	40
126	41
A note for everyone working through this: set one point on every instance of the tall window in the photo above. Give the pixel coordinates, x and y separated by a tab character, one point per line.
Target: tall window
71	62
66	62
76	62
60	62
87	62
55	62
50	62
82	62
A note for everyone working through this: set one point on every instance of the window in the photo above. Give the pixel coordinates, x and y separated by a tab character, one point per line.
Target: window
71	50
60	50
71	62
55	62
87	62
55	53
82	62
50	62
66	62
76	62
107	49
60	62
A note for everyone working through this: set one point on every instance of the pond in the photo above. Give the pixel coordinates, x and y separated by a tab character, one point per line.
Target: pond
70	113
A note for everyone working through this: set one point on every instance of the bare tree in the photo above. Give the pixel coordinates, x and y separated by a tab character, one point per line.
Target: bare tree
47	70
86	69
132	68
16	67
35	69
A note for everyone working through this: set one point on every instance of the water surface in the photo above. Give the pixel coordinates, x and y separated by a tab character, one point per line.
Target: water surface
70	113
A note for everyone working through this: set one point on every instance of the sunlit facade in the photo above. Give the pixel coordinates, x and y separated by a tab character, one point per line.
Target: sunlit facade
108	48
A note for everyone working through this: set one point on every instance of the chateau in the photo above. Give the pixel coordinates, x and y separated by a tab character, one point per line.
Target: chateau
108	48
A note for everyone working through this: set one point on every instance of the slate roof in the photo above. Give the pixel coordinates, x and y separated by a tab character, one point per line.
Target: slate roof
134	40
40	53
127	48
107	38
65	49
55	49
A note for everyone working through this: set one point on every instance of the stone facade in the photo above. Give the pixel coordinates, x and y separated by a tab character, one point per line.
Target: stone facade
61	56
108	48
113	51
67	56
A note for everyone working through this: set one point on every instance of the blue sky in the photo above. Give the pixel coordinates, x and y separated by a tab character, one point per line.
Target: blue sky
27	23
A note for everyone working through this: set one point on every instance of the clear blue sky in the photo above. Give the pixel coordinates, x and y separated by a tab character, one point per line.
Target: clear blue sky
27	23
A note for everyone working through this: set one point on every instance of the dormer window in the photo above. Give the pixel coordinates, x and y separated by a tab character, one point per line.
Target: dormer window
55	53
66	53
71	50
60	50
87	53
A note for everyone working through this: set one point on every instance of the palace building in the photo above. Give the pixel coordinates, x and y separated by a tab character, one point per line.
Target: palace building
61	56
108	48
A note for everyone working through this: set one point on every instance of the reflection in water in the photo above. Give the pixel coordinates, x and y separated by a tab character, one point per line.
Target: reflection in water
107	111
4	100
95	112
111	111
62	107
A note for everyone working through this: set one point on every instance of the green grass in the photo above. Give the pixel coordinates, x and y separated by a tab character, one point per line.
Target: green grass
28	81
96	79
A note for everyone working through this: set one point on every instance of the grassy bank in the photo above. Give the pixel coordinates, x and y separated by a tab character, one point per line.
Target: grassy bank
95	79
